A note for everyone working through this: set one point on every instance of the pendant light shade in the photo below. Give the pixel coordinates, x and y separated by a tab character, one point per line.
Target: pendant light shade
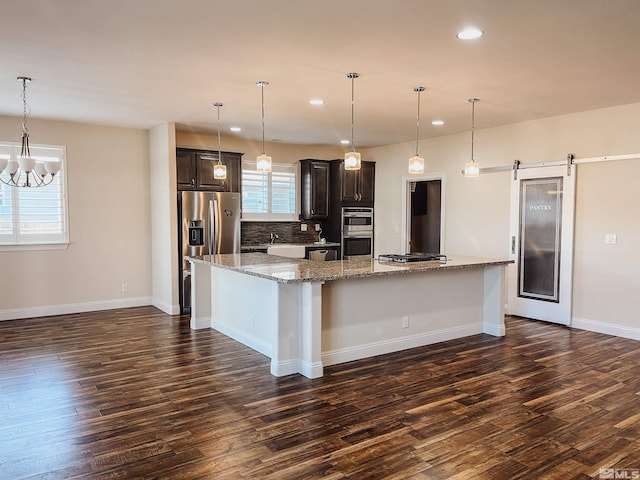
416	163
219	170
472	168
26	171
263	161
352	159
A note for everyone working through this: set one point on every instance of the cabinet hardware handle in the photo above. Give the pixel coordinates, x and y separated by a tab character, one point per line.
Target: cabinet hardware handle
193	182
513	244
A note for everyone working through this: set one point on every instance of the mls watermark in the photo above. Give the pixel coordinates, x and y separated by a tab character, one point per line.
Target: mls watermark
619	473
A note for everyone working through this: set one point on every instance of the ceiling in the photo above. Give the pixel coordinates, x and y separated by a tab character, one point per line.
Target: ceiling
138	63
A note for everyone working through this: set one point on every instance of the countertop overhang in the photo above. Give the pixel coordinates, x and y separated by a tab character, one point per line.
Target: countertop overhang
289	270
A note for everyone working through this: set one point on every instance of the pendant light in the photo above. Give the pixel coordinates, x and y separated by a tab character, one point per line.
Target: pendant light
263	162
352	159
219	170
26	171
472	168
416	163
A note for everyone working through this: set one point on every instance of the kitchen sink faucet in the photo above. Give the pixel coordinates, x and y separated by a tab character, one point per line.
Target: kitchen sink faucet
272	238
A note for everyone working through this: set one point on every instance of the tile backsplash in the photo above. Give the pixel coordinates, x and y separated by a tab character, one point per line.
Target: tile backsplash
256	233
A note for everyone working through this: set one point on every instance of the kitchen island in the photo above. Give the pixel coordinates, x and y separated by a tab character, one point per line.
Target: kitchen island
305	315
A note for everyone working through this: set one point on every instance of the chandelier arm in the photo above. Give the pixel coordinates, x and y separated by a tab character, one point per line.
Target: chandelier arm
25	129
218	105
262	97
473	123
353	147
24	151
418	124
419	90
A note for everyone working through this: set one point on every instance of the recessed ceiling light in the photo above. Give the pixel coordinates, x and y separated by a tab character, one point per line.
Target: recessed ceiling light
345	142
235	129
470	34
437	123
316	101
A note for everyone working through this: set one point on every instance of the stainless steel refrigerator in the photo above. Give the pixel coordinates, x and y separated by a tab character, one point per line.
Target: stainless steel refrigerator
208	224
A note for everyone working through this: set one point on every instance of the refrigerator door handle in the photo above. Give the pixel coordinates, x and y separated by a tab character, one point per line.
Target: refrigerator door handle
213	227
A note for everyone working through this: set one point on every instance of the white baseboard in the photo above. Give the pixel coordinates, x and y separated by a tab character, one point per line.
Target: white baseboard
200	323
166	307
311	369
286	367
358	352
240	336
604	327
495	330
50	310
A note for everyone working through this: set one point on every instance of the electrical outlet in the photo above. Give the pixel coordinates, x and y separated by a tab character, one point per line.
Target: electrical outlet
405	322
610	238
317	227
125	288
303	227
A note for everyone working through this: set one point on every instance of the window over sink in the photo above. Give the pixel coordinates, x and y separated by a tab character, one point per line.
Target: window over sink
270	196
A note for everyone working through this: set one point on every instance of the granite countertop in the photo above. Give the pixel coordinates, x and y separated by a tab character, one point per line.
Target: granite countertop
290	270
262	246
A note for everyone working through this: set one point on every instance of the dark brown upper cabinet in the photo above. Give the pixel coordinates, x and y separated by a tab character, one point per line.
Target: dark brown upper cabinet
194	170
354	187
314	189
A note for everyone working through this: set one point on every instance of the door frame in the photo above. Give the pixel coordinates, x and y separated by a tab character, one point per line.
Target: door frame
405	235
560	312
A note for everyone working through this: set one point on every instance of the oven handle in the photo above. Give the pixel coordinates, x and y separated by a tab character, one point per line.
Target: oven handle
359	235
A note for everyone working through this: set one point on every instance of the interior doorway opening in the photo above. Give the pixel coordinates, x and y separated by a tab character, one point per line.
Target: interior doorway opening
424	216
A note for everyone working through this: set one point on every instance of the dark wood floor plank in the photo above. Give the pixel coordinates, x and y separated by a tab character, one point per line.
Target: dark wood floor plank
134	393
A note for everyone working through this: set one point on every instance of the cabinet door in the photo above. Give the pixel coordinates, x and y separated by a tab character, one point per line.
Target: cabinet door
232	161
350	184
367	183
320	189
314	190
206	181
185	170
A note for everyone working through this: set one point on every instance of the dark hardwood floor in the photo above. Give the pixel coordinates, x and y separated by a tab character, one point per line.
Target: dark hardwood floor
134	393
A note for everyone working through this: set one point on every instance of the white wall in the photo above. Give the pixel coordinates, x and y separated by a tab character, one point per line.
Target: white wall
279	152
110	210
108	198
164	218
477	210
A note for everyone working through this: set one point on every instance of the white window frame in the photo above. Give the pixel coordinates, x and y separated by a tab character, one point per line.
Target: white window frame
16	241
269	215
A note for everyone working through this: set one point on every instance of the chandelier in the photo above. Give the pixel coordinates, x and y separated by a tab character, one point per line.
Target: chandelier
219	170
352	158
472	168
26	171
416	163
263	161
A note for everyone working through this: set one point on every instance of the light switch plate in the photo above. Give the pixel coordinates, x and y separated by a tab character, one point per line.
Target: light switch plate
303	227
610	238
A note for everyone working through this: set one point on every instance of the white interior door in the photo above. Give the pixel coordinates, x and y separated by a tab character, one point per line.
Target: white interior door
542	211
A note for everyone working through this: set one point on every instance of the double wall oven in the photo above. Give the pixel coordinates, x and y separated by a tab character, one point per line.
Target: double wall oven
356	232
